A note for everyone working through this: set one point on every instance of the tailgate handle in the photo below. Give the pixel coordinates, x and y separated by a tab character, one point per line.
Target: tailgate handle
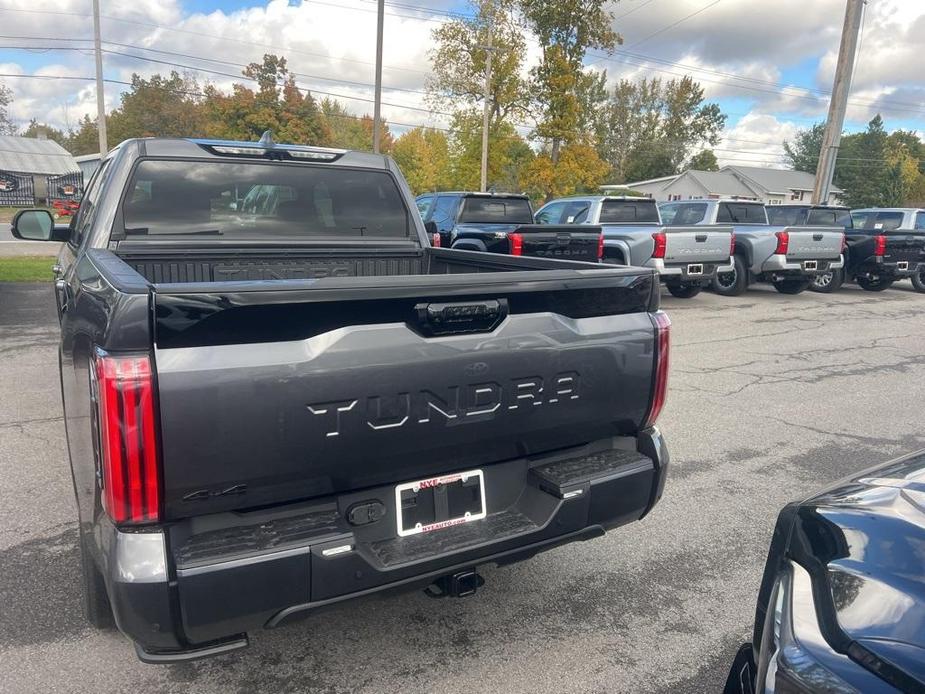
459	317
700	238
817	237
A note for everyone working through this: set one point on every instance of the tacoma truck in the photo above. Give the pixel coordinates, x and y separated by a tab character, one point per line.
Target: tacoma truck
789	257
686	258
269	412
885	245
503	223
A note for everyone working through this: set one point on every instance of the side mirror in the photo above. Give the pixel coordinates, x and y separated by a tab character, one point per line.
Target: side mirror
431	228
34	225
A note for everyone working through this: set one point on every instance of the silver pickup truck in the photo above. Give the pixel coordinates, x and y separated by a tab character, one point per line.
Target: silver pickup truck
787	257
686	258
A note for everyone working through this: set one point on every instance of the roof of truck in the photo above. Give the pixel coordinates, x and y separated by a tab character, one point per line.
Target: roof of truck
889	209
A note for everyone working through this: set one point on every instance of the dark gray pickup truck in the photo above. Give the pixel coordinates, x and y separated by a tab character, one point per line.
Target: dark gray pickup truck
278	395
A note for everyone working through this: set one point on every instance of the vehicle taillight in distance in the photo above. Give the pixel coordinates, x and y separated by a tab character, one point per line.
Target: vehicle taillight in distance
662	350
128	444
783	242
435	242
658	250
600	246
880	245
516	243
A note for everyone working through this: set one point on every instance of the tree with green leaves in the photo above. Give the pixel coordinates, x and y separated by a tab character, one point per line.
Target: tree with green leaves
84	139
651	127
423	155
508	154
348	131
43	131
7	127
567	30
158	107
861	169
803	153
459	60
705	160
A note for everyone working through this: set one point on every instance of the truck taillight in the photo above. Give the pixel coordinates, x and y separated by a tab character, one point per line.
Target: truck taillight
435	242
844	242
732	244
662	349
128	445
783	242
658	250
516	242
600	246
880	245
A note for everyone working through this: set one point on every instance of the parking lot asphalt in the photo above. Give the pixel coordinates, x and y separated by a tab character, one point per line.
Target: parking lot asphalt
771	397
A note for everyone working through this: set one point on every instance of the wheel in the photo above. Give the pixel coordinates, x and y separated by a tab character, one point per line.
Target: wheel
96	601
828	282
792	286
732	283
684	291
918	279
874	284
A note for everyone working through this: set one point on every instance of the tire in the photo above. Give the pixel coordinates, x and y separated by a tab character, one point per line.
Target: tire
684	291
828	282
792	286
732	283
918	279
97	608
877	284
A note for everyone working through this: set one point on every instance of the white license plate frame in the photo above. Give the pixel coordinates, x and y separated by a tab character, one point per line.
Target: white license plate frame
417	485
902	266
810	265
695	269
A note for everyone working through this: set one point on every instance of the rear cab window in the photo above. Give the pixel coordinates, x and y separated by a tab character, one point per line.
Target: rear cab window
830	218
785	216
682	213
877	220
741	213
493	210
629	211
192	200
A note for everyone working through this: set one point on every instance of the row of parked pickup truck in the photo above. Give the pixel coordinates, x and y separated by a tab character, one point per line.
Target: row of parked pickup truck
723	244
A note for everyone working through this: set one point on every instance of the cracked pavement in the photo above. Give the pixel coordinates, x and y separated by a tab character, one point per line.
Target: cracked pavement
771	398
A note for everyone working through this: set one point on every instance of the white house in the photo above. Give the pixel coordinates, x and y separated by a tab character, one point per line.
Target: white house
770	186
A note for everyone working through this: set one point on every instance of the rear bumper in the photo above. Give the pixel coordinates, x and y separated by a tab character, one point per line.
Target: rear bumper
219	577
896	270
682	271
778	263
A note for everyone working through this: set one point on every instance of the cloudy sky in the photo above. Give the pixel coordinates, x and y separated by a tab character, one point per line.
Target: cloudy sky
769	64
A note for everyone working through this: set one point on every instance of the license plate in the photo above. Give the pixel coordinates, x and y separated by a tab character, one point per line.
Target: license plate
695	269
810	265
440	502
902	265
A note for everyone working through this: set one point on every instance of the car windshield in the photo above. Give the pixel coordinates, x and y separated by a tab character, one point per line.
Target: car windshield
878	220
478	210
261	200
622	211
683	213
785	216
823	217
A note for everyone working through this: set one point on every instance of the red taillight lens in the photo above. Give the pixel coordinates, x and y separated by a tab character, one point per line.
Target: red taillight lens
662	345
732	244
880	245
436	241
783	242
658	251
128	446
600	246
516	242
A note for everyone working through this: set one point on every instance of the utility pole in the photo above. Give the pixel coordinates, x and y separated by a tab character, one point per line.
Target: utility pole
377	106
839	102
100	96
486	111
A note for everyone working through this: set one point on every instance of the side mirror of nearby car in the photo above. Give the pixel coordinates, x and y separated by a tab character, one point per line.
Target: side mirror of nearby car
36	225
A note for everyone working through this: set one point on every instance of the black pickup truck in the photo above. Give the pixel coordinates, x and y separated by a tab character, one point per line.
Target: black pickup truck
273	405
879	251
503	223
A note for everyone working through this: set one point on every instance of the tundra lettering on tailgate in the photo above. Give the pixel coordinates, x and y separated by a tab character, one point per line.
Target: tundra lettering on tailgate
477	402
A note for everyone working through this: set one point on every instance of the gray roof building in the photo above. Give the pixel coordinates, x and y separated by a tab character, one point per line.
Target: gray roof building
30	155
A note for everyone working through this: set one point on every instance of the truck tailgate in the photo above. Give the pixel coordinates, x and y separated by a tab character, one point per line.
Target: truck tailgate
904	246
814	243
271	396
697	244
568	242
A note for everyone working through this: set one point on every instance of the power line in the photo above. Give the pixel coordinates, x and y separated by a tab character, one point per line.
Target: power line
674	24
